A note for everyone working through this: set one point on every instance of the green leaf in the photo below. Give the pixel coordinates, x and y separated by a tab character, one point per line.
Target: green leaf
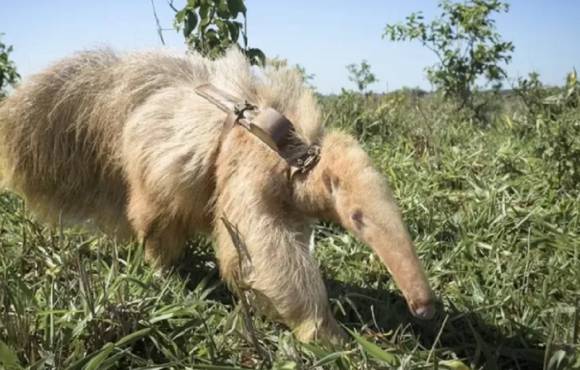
190	24
204	14
96	361
223	9
8	358
374	350
318	351
128	339
256	56
222	28
454	365
330	358
212	38
234	30
180	16
236	7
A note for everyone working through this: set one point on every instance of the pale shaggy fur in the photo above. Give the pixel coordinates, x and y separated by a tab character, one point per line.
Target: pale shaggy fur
124	142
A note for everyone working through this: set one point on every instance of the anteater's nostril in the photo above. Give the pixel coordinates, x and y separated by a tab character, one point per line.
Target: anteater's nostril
425	312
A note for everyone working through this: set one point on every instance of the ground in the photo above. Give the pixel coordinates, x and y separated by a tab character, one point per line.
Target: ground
493	207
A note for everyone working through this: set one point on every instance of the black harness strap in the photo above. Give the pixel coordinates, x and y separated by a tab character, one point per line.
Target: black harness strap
268	125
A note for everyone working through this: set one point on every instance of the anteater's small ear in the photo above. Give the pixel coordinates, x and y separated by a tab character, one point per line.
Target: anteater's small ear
331	182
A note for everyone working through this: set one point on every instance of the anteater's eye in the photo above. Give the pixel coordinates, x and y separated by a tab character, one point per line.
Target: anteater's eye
358	219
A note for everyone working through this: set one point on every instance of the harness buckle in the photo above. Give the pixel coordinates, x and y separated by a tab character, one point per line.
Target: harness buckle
240	109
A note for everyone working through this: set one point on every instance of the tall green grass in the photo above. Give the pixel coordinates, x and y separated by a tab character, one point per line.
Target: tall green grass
495	220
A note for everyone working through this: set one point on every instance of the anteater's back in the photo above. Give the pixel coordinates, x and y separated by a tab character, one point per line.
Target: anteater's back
70	135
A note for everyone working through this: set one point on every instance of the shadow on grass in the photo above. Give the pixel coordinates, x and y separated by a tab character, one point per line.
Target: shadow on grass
379	311
465	333
199	265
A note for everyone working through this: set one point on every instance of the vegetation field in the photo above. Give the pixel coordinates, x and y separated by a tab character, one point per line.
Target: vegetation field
494	209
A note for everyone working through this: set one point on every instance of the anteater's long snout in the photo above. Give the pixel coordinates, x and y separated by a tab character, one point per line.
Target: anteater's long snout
396	251
384	231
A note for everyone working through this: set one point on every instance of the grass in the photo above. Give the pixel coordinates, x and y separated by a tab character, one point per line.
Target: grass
495	220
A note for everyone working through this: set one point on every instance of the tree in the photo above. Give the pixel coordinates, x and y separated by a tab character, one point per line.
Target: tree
8	74
465	41
361	75
212	26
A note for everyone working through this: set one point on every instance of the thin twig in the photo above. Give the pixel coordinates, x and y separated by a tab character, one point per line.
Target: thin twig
170	3
243	254
159	29
437	338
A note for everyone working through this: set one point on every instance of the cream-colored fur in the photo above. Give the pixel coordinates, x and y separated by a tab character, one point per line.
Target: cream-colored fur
124	142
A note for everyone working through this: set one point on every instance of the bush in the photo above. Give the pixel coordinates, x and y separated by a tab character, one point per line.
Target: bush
361	75
465	41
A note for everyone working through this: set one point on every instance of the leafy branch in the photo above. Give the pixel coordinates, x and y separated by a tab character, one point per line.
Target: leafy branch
212	26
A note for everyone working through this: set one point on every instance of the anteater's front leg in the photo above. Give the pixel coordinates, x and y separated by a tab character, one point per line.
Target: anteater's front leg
263	257
262	249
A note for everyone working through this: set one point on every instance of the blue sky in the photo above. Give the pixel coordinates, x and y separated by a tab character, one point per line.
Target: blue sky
321	35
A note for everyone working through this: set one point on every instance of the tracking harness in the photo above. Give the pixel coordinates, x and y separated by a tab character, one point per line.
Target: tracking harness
267	124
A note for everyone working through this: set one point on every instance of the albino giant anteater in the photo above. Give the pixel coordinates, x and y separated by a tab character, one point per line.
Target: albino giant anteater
126	143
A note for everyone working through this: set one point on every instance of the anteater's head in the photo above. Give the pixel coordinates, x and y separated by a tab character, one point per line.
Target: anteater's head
345	188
